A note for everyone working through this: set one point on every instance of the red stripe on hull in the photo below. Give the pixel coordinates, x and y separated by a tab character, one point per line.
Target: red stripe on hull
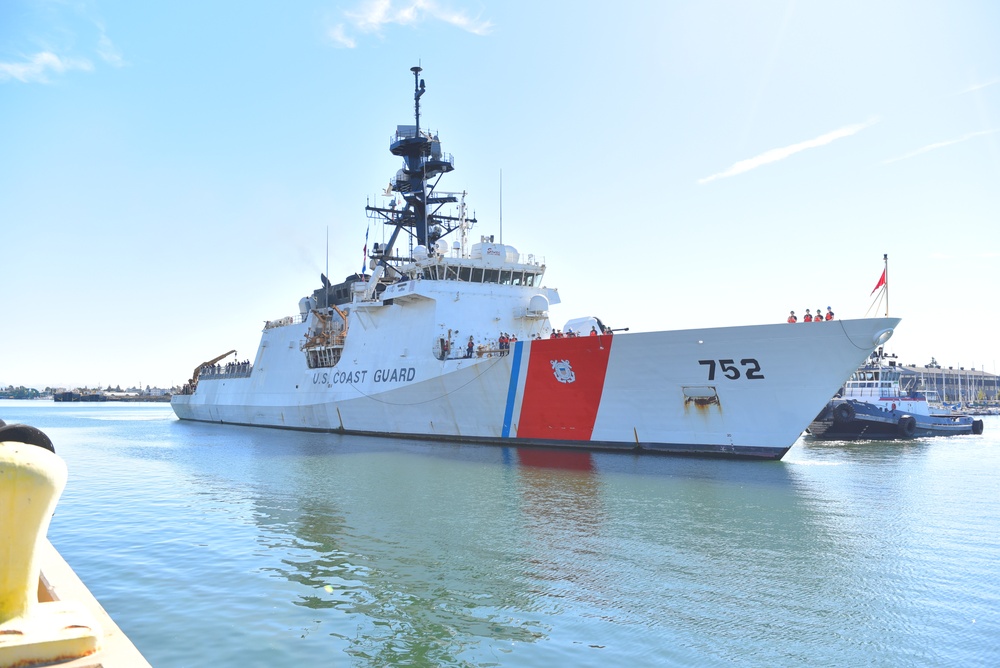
563	387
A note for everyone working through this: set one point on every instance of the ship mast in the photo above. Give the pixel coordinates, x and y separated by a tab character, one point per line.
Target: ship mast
420	216
418	91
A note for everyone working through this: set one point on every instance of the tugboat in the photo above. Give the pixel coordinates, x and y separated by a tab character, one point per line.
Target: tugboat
450	339
874	406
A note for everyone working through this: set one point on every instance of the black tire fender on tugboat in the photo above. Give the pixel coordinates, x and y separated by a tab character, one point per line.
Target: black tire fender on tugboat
977	427
907	426
844	413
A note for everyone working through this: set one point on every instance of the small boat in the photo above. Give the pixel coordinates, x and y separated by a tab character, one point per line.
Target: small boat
48	617
873	405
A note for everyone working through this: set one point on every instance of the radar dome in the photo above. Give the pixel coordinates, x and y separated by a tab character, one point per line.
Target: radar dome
538	305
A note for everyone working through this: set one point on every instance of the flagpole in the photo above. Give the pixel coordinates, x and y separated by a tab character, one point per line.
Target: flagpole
326	288
885	258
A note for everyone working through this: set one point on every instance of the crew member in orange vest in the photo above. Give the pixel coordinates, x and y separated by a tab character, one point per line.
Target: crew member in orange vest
829	313
819	316
807	317
792	317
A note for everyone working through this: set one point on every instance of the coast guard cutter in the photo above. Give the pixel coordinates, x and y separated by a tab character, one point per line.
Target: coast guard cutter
449	339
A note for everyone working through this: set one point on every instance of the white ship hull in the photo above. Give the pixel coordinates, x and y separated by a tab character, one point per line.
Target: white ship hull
737	391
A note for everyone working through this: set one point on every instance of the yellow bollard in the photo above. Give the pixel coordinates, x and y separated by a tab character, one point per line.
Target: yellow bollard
31	632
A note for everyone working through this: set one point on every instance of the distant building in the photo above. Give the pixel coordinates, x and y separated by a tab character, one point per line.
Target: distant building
951	385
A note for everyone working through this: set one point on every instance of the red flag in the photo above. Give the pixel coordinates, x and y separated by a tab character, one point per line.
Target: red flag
881	282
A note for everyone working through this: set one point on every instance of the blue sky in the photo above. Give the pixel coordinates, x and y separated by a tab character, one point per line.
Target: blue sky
169	171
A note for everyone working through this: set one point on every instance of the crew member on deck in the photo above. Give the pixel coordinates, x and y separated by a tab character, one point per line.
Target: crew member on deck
792	318
807	317
593	331
819	316
829	313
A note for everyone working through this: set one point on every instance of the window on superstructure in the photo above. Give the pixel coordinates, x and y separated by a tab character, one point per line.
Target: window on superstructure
465	274
477	275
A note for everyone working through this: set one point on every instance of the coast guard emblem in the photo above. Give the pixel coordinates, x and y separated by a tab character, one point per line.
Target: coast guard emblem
563	371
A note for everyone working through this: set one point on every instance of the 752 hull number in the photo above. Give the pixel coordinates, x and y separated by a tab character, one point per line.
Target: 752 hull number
751	369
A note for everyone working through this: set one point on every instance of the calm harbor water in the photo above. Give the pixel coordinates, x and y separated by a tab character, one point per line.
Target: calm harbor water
229	546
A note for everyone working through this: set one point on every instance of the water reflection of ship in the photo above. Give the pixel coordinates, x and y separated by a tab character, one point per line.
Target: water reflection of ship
555	459
409	560
440	551
563	511
560	493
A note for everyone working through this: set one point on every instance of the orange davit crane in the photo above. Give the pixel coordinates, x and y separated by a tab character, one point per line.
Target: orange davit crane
193	383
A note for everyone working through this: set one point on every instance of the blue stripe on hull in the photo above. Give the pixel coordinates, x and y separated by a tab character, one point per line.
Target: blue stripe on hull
515	372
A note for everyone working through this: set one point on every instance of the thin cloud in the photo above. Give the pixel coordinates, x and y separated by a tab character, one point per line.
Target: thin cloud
341	38
108	52
36	68
979	86
937	145
777	154
374	15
